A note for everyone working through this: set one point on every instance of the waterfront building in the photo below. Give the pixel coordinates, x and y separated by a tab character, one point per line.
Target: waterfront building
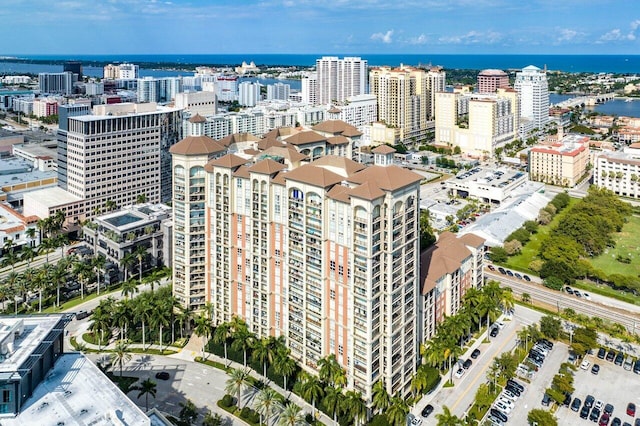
56	83
226	87
121	72
489	81
561	163
477	123
74	67
278	91
116	154
309	89
619	171
323	253
448	269
249	93
337	79
531	84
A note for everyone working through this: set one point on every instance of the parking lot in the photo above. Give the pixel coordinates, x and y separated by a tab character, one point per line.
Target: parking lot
613	385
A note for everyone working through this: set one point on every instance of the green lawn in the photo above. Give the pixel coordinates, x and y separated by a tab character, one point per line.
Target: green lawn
532	248
627	245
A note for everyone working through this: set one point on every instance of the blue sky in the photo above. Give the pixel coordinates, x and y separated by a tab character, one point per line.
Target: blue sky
319	26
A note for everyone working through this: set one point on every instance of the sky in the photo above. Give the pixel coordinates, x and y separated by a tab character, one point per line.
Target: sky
57	27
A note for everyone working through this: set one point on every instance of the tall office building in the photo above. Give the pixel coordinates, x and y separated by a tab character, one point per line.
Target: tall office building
119	152
323	254
74	67
203	103
56	83
489	81
403	99
532	85
340	78
249	93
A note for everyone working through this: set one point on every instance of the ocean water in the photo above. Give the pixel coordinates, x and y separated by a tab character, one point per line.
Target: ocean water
621	64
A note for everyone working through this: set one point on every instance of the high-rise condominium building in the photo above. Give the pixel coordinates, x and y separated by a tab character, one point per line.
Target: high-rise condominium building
403	99
118	153
121	72
309	89
158	89
248	93
532	85
278	91
59	82
489	81
340	78
324	254
203	103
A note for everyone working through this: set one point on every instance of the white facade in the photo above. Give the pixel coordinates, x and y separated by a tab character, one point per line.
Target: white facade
158	89
278	91
618	172
94	89
248	93
359	111
226	88
60	83
309	89
340	78
128	71
203	103
532	85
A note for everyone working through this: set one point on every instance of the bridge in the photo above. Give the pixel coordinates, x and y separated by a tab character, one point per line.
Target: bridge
589	100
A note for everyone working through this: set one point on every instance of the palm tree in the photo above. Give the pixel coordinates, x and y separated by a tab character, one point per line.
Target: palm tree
123	316
58	277
237	382
311	389
129	287
221	335
109	205
353	405
525	297
31	235
418	382
203	330
141	254
331	371
161	317
140	199
243	340
263	352
98	263
447	418
333	401
120	354
27	253
397	411
125	263
266	403
143	312
146	388
82	271
13	280
291	416
284	364
380	397
184	315
101	322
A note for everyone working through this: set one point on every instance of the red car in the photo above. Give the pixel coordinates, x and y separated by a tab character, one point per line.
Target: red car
604	420
631	409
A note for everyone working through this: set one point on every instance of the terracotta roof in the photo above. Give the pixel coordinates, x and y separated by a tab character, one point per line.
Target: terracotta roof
268	143
336	127
444	257
389	178
251	151
340	193
197	119
337	140
334	110
238	138
367	191
242	171
347	166
279	179
286	151
305	137
281	132
267	167
313	175
196	145
383	149
635	145
472	240
228	161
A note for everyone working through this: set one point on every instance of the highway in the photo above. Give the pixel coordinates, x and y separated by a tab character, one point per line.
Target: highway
622	313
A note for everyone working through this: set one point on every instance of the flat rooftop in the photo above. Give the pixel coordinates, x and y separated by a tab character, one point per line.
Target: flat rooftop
54	196
122	219
498	178
76	392
35	330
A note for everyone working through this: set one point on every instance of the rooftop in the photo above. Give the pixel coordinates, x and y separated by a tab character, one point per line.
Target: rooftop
76	392
29	332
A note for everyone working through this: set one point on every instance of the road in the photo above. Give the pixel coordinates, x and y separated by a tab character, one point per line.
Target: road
610	309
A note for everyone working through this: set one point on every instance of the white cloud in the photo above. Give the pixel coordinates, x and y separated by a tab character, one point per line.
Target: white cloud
383	37
472	37
421	39
618	35
567	34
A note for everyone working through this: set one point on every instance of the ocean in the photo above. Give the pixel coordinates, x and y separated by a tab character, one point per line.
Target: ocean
619	64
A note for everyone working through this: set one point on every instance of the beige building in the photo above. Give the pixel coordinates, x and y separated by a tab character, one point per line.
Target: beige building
477	123
563	163
323	253
619	171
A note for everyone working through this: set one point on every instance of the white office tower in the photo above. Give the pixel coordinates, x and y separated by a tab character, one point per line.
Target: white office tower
531	84
248	93
56	83
203	103
227	88
309	89
278	91
340	78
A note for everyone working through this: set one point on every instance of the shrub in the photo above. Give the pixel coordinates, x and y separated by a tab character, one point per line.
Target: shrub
513	247
227	401
498	254
309	418
249	415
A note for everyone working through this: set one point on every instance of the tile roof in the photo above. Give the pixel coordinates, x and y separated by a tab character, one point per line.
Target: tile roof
238	138
197	119
383	149
340	193
387	178
286	151
305	137
313	175
267	167
281	132
337	127
269	142
367	191
337	140
196	145
347	166
228	161
242	172
444	257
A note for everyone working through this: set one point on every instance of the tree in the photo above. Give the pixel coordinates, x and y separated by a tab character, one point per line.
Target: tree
311	389
212	419
354	406
27	253
125	263
222	334
541	417
203	330
513	247
525	298
146	388
498	254
140	253
129	287
544	217
427	237
188	412
284	365
98	263
142	314
243	340
447	418
82	271
237	382
583	340
397	411
330	370
161	318
291	416
120	354
263	352
550	326
266	403
531	226
507	364
141	199
553	282
332	401
380	397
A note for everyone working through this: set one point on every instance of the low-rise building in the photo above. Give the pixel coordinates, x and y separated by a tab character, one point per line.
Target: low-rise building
562	163
485	184
619	171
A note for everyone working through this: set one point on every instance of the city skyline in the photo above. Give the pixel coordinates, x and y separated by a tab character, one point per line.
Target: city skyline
434	26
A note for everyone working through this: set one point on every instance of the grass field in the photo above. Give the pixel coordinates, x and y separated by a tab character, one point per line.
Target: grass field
627	245
531	250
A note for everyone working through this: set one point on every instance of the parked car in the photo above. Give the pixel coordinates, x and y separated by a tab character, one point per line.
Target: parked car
491	267
546	400
467	364
567	399
509	395
526	278
575	405
416	421
498	414
595	369
610	355
518	276
636	367
595	414
568	290
494	332
601	353
598	404
586	296
509	273
616	421
608	408
631	409
162	375
513	390
546	343
584	412
502	407
475	354
619	359
585	364
502	271
589	400
513	383
604	420
459	373
426	411
628	363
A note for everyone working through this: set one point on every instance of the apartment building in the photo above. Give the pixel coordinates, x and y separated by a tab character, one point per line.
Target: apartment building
562	163
448	269
56	83
121	72
323	253
44	107
119	152
531	84
359	111
337	79
619	171
477	123
158	90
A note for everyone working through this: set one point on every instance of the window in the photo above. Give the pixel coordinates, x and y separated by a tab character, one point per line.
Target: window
332	294
332	265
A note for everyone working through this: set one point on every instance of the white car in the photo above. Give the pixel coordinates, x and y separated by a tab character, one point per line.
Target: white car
459	373
585	365
586	296
599	404
506	402
417	421
509	395
502	407
500	325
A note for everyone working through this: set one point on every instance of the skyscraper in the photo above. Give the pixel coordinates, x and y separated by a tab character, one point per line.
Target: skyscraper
532	85
248	93
56	83
158	89
340	78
